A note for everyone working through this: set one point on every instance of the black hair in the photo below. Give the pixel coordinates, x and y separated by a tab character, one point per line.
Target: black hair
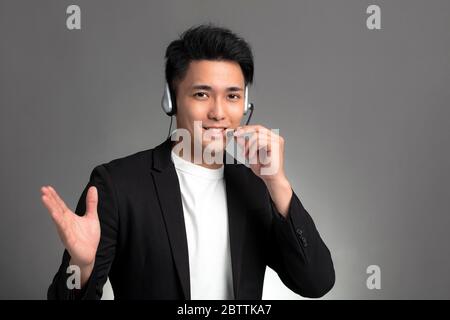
206	42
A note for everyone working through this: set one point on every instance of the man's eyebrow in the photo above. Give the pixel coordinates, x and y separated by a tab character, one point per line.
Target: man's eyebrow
201	87
209	88
234	89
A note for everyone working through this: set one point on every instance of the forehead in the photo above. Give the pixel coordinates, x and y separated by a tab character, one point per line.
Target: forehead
214	73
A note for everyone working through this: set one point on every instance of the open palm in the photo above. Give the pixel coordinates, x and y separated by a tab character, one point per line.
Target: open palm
79	234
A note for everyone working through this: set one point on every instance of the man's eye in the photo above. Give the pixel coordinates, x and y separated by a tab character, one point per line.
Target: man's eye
201	95
233	96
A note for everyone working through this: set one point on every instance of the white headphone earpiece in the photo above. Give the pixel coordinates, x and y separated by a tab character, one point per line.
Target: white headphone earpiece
246	104
168	105
166	101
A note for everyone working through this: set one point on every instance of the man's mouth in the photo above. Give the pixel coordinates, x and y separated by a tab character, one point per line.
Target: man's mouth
215	130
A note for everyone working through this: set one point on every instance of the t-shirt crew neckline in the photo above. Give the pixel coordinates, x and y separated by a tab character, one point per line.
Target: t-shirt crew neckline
195	169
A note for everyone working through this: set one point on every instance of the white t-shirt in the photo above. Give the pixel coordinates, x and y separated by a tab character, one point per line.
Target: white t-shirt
205	212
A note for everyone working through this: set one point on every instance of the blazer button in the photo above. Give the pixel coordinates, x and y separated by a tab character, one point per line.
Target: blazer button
305	243
299	231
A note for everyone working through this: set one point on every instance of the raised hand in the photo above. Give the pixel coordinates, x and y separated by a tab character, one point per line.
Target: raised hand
79	234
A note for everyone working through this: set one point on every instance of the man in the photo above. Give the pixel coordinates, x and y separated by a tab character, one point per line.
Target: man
164	224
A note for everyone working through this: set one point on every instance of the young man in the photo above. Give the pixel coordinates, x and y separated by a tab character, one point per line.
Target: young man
167	224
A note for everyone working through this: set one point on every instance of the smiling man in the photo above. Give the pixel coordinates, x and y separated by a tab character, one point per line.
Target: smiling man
165	223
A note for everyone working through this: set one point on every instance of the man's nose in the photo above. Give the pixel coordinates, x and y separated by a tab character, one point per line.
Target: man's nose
217	111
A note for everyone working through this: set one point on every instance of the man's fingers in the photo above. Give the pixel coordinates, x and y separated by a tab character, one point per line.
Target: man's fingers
50	199
255	146
91	201
46	191
248	128
51	206
255	142
58	200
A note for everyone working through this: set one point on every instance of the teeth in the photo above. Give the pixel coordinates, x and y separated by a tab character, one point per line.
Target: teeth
215	130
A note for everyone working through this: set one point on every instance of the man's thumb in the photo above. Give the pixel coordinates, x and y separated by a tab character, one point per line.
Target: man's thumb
91	201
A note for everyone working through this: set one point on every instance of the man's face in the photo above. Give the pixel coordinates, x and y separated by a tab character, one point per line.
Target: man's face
211	92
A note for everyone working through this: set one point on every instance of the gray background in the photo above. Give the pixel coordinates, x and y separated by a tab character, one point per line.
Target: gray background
365	115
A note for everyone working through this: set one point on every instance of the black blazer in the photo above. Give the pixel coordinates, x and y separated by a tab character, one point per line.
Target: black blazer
143	246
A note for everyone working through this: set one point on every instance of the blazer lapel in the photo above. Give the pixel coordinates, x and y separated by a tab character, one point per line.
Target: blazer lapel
235	185
169	195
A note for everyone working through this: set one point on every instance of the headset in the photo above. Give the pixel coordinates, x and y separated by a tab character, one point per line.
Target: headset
170	108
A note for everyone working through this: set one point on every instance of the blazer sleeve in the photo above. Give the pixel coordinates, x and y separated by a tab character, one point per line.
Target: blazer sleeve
109	221
297	252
